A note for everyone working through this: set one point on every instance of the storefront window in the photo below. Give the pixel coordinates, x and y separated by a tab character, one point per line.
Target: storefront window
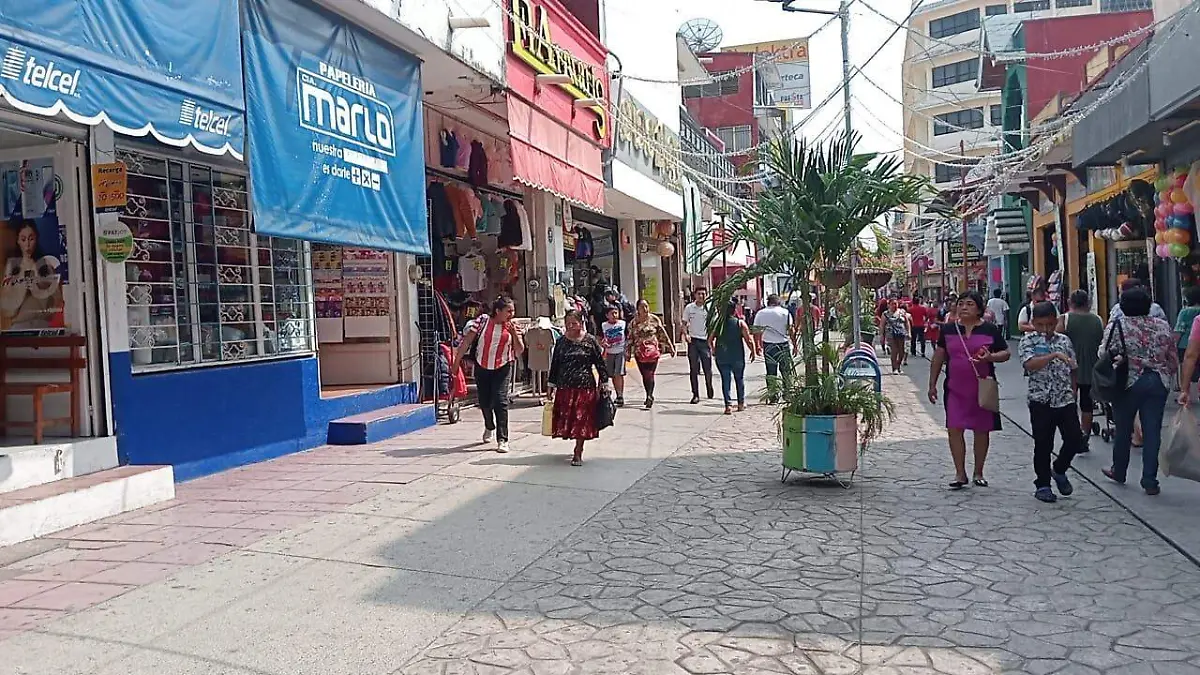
201	287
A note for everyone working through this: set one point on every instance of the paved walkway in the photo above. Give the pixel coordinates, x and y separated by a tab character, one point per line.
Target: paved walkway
674	550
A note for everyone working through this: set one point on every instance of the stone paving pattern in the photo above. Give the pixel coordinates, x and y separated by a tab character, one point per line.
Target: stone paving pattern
667	553
710	565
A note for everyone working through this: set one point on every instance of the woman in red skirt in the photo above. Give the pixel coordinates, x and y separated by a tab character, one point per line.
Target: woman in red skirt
575	391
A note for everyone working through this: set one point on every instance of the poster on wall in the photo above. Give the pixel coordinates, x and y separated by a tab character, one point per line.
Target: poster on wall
367	293
35	249
327	292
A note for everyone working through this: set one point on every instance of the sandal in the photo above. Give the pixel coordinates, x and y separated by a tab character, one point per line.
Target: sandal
979	481
958	484
576	461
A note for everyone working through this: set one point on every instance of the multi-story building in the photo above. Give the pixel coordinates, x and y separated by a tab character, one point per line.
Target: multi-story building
950	121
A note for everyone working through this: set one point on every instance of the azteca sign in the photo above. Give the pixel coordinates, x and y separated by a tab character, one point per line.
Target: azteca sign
533	44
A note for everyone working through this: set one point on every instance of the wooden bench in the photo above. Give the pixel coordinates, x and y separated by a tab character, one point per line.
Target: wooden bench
72	363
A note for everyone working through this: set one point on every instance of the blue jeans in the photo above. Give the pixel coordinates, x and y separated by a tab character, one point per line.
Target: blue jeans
737	373
778	357
1147	399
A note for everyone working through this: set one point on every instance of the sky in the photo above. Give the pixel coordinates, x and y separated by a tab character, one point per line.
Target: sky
874	114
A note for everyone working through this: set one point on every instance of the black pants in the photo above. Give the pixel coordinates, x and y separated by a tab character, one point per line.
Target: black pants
918	335
1044	420
492	386
648	369
700	356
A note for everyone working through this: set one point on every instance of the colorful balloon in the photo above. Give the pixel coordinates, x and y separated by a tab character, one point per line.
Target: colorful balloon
1180	179
1184	209
1159	238
1174	236
1160	184
1162	251
1178	250
1178	196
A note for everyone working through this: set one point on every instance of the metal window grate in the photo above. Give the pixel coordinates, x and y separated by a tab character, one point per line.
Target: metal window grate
201	287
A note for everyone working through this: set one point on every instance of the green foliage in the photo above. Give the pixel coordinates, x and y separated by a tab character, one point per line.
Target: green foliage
827	194
829	394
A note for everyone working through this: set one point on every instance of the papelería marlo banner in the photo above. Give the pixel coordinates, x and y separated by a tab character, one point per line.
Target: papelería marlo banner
335	141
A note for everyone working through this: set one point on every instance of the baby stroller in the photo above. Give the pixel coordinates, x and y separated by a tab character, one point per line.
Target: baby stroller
1106	432
448	388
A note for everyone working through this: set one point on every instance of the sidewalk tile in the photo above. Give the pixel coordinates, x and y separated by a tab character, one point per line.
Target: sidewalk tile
74	570
13	619
123	552
276	522
115	532
235	537
186	554
13	591
73	596
135	573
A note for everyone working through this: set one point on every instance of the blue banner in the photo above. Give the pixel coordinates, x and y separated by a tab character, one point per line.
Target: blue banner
336	146
167	68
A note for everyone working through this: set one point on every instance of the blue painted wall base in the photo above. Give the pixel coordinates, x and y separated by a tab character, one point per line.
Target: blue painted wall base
205	420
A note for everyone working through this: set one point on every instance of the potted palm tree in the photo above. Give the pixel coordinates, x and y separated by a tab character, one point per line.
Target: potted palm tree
824	424
823	196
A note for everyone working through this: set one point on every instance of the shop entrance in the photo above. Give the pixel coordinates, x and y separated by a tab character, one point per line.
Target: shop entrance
51	354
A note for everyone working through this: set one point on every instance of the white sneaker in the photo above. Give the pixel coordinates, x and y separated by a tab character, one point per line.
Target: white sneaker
487	435
502	447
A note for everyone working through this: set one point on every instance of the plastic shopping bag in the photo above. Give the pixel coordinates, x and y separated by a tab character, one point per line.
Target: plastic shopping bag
548	418
1179	454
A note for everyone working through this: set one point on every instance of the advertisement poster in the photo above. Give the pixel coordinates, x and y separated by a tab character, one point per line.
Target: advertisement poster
35	248
783	73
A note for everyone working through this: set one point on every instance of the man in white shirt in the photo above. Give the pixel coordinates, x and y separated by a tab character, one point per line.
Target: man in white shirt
1000	309
695	328
776	336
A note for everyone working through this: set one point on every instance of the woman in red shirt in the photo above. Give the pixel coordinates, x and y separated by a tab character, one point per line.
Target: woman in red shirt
920	317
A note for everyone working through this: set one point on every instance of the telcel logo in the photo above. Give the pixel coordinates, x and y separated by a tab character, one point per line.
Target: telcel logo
192	115
339	104
18	65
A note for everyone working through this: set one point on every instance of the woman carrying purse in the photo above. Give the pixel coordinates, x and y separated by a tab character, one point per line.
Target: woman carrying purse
648	340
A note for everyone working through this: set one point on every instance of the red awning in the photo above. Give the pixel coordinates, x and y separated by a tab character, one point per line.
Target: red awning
550	157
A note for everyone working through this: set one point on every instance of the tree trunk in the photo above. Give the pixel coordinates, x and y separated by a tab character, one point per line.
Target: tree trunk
806	336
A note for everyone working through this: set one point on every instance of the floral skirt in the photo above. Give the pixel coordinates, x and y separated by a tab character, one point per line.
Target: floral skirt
575	413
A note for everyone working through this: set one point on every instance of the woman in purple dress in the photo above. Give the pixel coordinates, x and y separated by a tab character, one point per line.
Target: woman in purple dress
968	348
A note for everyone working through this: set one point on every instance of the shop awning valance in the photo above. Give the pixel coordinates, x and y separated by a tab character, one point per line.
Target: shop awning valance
168	69
336	143
550	157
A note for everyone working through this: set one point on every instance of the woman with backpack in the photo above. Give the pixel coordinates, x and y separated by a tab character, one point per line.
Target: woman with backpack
648	339
493	342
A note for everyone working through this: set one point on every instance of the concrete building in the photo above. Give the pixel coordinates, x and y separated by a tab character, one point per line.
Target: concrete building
950	121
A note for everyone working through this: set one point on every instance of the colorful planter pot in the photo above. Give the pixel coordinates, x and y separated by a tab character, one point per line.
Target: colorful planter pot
820	444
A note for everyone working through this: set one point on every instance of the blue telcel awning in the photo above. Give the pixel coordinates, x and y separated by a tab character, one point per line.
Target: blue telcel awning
167	68
336	144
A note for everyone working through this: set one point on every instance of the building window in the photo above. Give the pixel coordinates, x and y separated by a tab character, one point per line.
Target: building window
953	73
736	139
1126	5
717	88
993	10
997	115
946	173
1031	6
954	24
948	123
201	287
1067	4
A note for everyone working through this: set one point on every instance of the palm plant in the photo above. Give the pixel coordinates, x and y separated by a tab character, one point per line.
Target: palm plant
825	194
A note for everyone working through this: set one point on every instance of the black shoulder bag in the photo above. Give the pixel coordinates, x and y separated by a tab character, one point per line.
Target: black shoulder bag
1111	374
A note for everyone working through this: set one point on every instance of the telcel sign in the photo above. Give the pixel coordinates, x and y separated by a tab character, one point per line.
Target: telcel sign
533	44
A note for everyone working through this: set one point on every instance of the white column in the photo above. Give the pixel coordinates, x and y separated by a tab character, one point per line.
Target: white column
408	336
627	231
113	303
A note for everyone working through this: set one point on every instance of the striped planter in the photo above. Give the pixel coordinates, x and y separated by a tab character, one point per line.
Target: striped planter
822	444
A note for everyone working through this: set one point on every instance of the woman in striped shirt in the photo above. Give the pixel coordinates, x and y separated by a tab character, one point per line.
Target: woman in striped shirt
493	342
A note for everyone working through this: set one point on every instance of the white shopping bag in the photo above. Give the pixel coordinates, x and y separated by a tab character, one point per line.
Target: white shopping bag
1179	454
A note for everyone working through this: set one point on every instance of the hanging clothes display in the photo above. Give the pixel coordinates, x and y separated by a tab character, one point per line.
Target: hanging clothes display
472	270
477	173
448	148
510	226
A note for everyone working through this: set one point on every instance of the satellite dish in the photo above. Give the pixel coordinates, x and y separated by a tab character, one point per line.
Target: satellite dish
701	35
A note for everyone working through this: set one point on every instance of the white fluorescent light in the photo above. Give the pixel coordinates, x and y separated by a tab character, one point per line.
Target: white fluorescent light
555	78
588	103
457	22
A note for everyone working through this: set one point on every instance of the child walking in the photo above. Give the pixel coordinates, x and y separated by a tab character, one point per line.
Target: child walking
1049	360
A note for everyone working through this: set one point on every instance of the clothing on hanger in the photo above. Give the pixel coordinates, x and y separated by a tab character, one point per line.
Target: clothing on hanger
448	147
472	269
510	226
585	248
441	210
526	233
477	172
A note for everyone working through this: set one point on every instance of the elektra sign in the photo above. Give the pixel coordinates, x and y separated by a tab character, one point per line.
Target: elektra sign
344	107
533	44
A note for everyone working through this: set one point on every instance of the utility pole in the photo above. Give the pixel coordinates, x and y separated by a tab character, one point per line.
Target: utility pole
962	181
843	14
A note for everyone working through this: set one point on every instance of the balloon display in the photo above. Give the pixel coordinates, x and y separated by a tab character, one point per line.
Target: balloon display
1178	250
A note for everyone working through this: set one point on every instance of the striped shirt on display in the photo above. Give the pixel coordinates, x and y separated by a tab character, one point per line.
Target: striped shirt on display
493	347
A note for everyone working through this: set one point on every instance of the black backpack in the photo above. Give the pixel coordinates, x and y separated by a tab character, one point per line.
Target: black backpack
1111	375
